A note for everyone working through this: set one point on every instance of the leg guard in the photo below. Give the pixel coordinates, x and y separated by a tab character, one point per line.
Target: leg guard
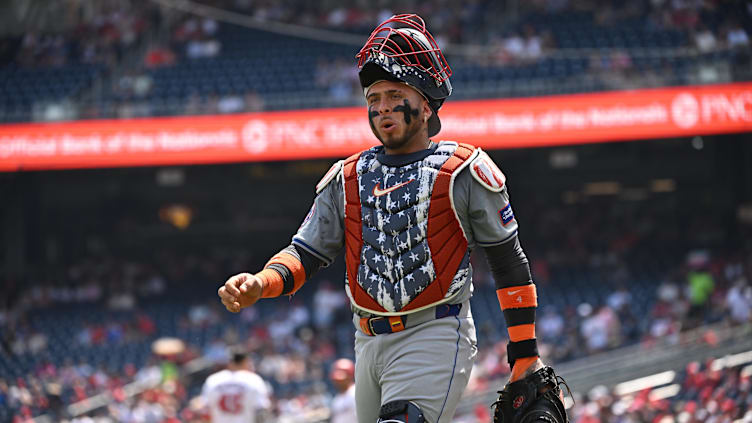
400	411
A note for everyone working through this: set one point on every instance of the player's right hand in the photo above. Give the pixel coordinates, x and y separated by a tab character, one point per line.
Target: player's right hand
240	291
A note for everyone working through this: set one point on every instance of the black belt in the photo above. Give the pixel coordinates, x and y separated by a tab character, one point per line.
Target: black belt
390	324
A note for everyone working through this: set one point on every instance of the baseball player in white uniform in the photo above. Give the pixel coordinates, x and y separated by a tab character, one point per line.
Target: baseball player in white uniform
342	407
236	394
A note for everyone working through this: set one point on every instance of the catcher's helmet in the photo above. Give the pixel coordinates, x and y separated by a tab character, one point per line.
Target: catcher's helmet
401	49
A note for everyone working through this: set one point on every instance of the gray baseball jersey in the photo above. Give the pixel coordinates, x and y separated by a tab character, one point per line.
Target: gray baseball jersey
396	266
483	209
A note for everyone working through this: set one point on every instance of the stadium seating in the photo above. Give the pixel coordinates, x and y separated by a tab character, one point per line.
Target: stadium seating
283	74
282	69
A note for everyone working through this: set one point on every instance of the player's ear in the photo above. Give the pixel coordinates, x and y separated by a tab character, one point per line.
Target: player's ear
427	111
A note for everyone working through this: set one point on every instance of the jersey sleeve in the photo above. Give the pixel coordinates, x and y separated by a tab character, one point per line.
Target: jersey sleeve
258	392
205	391
263	400
322	232
482	203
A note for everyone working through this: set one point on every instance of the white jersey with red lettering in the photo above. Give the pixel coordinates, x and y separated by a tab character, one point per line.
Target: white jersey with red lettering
235	396
343	407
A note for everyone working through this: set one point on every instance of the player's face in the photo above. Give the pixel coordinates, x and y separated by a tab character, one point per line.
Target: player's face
398	115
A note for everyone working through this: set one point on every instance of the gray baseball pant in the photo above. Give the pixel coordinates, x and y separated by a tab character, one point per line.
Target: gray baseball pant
428	364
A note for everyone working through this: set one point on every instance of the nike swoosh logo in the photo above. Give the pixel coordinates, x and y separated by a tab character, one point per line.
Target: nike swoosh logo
378	192
513	292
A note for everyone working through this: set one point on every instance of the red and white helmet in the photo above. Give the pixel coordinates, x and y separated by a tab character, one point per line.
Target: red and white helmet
401	49
342	369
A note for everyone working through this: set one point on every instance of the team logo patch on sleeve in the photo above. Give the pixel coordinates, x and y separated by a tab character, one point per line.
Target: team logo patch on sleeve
329	176
506	214
485	171
309	215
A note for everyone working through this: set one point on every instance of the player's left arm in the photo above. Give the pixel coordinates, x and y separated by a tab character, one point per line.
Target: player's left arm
493	226
533	392
517	297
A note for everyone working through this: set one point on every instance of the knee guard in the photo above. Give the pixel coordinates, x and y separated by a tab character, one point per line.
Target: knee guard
400	411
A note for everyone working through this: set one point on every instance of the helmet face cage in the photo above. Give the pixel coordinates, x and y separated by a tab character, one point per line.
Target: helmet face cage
399	45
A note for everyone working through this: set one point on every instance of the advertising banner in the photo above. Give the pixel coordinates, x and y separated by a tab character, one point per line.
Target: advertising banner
305	134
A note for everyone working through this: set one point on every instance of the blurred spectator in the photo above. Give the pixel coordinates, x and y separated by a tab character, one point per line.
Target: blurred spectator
253	102
701	286
705	39
230	104
158	56
601	329
619	298
533	49
201	315
202	48
550	325
339	78
193	104
123	300
326	302
739	301
514	46
737	37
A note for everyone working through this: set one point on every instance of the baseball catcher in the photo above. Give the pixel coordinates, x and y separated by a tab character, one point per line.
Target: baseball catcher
408	213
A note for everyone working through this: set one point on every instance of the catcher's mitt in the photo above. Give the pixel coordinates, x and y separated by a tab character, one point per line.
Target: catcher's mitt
523	402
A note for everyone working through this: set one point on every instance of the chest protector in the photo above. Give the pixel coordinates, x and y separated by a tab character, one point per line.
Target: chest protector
405	248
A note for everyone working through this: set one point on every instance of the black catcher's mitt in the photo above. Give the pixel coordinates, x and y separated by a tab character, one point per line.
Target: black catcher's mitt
523	402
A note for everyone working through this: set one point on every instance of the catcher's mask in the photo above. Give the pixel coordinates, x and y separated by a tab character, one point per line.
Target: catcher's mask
401	49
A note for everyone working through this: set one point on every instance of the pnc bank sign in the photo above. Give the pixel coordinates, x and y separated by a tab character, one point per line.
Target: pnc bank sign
688	109
339	132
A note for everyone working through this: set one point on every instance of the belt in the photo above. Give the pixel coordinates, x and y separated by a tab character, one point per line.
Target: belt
390	324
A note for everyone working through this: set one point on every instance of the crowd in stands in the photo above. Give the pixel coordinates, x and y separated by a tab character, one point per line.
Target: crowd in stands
707	26
90	331
708	394
131	41
292	347
96	33
476	22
